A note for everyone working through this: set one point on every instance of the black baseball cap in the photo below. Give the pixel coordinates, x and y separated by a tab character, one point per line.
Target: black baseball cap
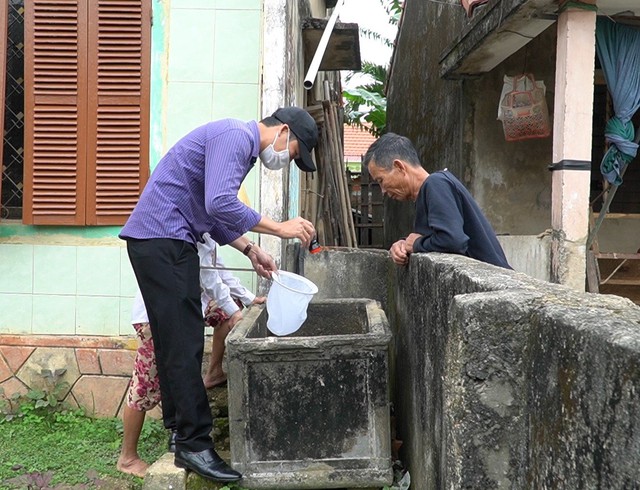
305	129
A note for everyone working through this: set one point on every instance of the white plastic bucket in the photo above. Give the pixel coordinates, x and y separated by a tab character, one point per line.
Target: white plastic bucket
287	302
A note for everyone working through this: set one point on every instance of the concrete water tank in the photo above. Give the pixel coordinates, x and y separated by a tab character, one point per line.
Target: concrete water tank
311	410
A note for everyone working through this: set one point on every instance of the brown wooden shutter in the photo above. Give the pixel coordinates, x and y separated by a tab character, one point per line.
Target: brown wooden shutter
117	146
55	109
87	72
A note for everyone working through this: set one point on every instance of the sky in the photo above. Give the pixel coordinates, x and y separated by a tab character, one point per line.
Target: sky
370	14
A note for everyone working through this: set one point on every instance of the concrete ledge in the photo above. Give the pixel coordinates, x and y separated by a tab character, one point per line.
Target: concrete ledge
502	380
164	474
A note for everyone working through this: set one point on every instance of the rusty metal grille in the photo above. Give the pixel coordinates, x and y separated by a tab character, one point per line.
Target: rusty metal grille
13	153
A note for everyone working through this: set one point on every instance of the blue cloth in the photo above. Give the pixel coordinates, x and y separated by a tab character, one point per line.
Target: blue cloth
194	188
618	48
450	221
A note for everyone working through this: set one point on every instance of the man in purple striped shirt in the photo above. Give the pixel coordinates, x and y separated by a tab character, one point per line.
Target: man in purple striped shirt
194	190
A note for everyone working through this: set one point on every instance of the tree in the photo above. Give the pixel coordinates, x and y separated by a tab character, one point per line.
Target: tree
366	104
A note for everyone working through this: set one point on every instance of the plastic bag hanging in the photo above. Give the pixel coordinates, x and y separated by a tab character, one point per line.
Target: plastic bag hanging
523	108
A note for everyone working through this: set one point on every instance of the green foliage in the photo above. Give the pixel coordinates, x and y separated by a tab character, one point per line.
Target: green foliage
44	444
67	449
36	402
366	104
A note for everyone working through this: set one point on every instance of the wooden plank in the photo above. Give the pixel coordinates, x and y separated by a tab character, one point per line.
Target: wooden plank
616	255
377	214
364	206
623	216
623	282
369	225
593	276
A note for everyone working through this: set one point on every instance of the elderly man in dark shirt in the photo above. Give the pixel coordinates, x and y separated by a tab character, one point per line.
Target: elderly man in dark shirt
447	218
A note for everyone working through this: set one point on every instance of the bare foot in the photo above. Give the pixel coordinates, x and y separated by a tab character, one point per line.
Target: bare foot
213	381
135	467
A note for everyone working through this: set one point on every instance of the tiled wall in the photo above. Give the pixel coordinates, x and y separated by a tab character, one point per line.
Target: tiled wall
65	290
214	72
50	282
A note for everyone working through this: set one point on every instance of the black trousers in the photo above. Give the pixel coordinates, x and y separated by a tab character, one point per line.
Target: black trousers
168	274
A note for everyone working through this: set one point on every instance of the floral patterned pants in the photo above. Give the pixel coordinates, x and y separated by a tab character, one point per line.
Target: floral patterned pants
144	387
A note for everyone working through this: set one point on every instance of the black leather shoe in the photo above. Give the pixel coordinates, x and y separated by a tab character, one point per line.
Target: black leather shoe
207	464
172	440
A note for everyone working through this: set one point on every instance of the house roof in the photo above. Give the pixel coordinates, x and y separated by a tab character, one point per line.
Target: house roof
356	143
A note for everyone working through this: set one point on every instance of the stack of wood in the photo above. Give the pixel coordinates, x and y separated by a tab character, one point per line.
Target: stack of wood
325	193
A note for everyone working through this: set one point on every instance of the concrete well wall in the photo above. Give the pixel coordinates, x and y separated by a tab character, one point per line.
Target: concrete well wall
501	380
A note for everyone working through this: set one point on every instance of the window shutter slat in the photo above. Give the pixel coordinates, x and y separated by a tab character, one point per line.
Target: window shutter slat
119	64
55	108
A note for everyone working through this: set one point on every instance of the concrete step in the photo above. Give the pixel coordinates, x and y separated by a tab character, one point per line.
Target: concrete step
163	474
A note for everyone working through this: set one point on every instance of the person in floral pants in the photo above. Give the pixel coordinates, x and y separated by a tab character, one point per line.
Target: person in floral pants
223	298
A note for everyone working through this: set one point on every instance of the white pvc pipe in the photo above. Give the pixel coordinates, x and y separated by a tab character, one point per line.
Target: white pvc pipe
322	46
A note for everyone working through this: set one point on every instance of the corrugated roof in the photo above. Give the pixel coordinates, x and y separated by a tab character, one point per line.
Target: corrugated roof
356	143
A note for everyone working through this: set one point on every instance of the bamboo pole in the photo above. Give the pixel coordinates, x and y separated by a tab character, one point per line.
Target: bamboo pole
332	188
329	189
345	208
333	164
345	185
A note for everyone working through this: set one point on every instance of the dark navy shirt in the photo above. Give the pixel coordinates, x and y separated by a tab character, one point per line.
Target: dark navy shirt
194	188
450	220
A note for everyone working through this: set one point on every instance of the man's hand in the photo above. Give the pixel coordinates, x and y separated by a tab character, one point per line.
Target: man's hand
259	300
297	228
409	241
262	262
294	228
399	253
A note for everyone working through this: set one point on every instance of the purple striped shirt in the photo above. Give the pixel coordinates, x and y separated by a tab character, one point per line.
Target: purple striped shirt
194	188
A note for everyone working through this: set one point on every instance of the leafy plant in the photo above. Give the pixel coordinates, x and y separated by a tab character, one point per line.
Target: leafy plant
36	402
365	105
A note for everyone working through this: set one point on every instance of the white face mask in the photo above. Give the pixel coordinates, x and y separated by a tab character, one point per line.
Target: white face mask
275	160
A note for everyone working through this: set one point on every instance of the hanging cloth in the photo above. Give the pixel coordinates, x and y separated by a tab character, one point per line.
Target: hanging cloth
618	48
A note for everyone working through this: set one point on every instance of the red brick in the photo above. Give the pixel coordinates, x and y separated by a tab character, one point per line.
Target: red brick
88	362
13	385
5	370
117	362
65	341
16	356
100	396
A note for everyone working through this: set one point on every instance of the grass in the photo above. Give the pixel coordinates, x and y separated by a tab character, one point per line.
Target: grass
69	450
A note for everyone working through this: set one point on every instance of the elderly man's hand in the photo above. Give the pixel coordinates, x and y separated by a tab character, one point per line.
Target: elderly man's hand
409	241
399	253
